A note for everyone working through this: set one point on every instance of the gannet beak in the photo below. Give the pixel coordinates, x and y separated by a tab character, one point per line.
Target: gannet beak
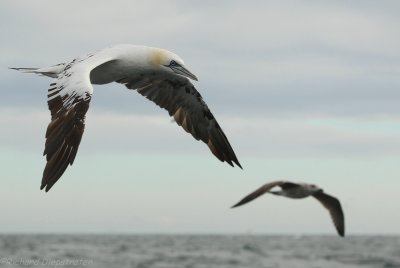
183	71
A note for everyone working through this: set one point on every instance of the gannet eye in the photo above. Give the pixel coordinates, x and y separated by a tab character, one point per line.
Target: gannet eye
173	63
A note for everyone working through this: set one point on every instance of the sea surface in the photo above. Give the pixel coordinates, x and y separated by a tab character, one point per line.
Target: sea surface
195	251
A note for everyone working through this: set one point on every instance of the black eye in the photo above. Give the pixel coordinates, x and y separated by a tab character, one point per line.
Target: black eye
173	63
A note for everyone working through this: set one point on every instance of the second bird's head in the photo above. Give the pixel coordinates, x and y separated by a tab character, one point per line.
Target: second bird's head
314	188
170	63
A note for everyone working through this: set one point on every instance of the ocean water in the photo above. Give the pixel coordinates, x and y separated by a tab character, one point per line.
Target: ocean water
199	251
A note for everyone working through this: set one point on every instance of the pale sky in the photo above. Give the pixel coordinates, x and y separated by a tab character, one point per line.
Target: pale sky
306	91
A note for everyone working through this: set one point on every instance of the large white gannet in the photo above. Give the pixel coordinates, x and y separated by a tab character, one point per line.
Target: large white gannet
302	190
155	73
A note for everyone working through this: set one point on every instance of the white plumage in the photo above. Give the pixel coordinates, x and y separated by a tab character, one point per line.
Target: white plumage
155	73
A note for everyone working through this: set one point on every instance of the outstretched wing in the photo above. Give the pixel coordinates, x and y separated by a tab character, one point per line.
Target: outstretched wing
68	101
260	191
182	101
335	210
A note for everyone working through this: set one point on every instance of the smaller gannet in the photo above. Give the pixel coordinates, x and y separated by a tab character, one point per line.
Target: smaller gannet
302	190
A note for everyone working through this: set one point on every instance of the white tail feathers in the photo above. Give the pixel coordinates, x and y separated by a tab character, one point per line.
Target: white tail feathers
25	70
52	71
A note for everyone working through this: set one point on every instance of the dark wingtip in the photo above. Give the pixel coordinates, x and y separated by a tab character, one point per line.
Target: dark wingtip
47	186
341	233
238	164
233	160
237	204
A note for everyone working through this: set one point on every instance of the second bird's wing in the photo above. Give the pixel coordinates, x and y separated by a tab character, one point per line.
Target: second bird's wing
260	191
335	210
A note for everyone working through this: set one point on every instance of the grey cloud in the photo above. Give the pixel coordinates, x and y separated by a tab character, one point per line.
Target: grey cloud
279	58
255	136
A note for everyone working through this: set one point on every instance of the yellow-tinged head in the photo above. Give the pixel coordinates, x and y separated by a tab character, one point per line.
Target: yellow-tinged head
170	63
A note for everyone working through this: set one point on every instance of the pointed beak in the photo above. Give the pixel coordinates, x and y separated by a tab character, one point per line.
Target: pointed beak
183	71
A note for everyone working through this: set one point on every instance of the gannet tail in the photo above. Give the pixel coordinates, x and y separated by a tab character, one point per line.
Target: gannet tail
25	70
52	71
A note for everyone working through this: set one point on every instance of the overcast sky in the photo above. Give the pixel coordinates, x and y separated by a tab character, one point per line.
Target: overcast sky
305	91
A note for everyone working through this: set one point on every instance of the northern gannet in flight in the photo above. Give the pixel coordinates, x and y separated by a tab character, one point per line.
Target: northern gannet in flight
155	73
302	190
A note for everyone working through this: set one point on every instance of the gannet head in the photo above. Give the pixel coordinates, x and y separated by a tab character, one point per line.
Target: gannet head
314	188
171	63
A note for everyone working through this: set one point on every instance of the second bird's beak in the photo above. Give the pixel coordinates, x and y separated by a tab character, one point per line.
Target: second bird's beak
183	71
